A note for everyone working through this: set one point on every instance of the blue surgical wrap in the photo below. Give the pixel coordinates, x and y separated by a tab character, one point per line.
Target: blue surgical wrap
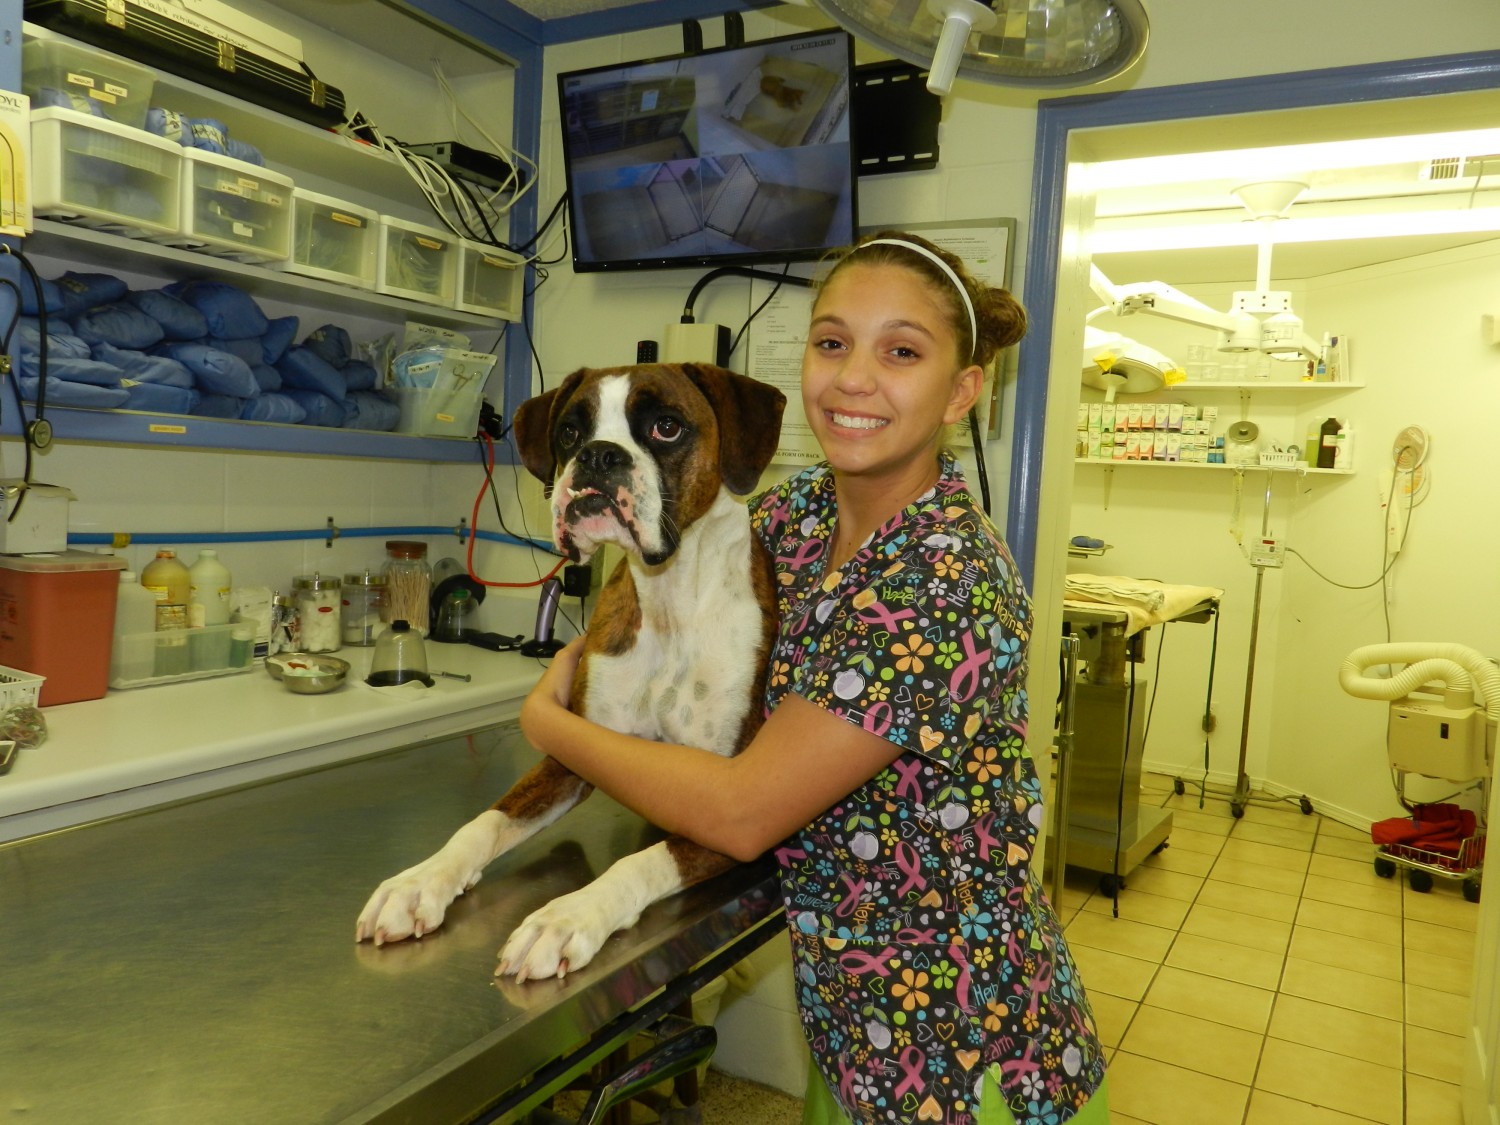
321	410
60	345
231	312
214	371
144	368
279	337
218	406
267	376
331	344
273	408
359	375
301	368
372	412
122	325
159	398
178	319
10	270
60	393
243	150
84	291
49	96
249	350
71	371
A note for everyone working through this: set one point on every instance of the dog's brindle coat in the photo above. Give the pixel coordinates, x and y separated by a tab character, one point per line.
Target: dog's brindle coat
651	458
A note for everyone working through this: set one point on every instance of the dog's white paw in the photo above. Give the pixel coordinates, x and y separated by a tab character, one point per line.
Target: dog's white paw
412	903
562	936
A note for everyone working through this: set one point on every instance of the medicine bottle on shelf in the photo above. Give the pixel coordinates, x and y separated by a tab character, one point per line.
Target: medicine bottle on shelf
168	579
133	652
408	584
318	612
209	586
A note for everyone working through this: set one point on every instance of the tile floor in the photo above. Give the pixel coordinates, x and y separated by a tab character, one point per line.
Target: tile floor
1259	972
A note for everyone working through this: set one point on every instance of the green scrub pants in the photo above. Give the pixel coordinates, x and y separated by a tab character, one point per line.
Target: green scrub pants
820	1108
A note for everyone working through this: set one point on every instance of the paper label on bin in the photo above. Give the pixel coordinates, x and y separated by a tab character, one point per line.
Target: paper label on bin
347	220
80	80
445	417
427	243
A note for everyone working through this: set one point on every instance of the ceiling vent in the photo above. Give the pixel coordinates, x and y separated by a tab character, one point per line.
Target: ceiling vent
1461	167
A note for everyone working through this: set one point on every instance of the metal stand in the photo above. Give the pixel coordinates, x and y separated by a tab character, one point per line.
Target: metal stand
1240	795
1070	647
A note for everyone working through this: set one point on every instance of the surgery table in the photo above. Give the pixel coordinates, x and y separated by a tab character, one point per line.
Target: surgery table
196	962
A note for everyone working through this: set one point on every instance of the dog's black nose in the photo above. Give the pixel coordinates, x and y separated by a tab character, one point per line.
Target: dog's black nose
603	457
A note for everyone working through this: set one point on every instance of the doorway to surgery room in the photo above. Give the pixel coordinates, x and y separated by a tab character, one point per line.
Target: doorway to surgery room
1273	347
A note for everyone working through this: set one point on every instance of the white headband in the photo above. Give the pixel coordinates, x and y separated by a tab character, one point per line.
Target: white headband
947	269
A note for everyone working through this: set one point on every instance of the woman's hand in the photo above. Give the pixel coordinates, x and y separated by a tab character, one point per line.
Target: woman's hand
550	695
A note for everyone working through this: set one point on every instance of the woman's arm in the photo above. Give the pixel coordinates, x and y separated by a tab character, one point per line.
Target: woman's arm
801	762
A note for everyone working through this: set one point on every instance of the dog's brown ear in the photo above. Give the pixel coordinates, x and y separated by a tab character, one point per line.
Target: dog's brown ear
532	427
749	414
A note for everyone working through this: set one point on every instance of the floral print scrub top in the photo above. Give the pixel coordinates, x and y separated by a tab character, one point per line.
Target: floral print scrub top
924	950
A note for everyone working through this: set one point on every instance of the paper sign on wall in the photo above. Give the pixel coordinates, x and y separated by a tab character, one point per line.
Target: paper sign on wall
15	164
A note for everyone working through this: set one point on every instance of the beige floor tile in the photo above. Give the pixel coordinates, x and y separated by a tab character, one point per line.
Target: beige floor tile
1248	900
1183	862
1444	905
1383	899
1113	1015
1171	1095
1194	1044
1442	940
1269	856
1284	812
1258	876
1156	783
1373	957
1113	973
1343	988
1340	1030
1345	848
1139	906
1349	920
1237	928
1440	1011
1298	839
1169	884
1429	1102
1350	870
1119	935
1337	1082
1435	1054
1446	974
1331	827
1186	815
1267	1108
1223	959
1211	998
1191	840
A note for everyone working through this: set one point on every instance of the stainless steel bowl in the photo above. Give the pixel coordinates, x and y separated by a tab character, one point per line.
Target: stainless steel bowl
306	673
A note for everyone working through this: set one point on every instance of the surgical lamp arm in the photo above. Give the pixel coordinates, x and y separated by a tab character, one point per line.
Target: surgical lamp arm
1160	299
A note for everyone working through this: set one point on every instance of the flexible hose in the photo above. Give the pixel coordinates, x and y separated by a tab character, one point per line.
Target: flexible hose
1458	667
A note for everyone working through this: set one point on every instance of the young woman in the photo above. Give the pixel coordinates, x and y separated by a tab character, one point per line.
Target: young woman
891	777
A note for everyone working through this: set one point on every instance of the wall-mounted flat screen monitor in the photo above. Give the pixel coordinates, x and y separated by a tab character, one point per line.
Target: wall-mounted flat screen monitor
727	156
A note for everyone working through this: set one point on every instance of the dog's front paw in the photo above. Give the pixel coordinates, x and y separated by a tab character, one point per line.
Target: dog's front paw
412	903
562	936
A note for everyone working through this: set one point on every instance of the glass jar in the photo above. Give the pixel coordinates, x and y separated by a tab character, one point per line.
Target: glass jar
408	584
364	602
319	600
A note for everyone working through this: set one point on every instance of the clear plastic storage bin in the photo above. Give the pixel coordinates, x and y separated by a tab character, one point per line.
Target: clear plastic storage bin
56	73
416	262
444	412
166	656
235	209
490	280
333	240
101	174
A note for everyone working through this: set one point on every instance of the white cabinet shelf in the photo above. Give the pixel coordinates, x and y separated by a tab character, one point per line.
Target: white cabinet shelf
1302	469
1260	385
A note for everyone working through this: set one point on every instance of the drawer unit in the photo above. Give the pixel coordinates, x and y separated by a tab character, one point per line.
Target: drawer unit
234	209
333	240
95	172
417	262
55	73
490	280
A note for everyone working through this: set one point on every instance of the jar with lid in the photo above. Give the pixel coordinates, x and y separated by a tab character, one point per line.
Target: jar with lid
408	584
318	610
364	601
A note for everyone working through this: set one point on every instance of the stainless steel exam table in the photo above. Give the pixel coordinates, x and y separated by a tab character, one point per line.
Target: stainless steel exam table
196	962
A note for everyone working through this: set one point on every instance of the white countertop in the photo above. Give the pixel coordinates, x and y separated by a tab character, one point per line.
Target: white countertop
145	746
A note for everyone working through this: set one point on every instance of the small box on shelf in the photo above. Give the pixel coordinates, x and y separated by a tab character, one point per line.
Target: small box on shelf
440	412
417	262
490	280
55	72
234	208
101	174
333	240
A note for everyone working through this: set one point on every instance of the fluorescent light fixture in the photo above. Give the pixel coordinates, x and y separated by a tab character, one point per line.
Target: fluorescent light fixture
1332	228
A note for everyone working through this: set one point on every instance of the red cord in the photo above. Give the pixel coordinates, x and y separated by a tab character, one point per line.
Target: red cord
489	472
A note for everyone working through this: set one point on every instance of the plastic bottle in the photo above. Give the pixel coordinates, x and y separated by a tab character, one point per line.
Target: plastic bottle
132	653
1328	436
209	594
168	580
1310	444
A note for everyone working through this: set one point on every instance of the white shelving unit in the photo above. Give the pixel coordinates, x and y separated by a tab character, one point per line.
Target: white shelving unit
1300	469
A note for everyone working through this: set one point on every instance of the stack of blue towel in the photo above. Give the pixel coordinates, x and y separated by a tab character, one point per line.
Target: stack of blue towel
194	347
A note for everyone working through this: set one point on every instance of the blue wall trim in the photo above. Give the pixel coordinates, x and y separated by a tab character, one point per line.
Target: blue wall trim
1057	117
640	17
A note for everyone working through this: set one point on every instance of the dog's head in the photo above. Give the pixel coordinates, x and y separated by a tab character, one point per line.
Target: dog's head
634	455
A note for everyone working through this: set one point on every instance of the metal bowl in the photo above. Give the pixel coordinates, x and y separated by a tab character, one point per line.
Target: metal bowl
306	673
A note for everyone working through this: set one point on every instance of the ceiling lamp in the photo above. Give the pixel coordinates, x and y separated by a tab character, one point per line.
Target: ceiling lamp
1116	364
1004	42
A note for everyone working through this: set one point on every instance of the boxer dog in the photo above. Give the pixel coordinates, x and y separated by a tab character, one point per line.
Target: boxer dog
654	459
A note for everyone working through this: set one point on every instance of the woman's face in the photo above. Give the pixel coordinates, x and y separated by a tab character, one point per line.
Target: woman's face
880	374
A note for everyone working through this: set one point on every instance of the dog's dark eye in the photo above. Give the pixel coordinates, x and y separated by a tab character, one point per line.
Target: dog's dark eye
667	429
567	435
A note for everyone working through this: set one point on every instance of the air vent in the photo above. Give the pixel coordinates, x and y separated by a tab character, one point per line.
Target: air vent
1462	167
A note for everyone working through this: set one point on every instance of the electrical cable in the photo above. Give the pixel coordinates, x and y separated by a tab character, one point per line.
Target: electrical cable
760	308
28	439
473	523
1388	565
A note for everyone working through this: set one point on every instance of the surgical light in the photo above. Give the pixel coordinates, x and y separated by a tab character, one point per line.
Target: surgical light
1116	364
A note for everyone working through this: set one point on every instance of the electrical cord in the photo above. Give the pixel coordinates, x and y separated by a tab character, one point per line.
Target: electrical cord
1388	560
489	469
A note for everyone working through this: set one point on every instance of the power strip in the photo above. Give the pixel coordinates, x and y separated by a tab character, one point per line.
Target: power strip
472	164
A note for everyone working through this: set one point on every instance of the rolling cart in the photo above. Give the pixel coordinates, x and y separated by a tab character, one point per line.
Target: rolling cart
1424	863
